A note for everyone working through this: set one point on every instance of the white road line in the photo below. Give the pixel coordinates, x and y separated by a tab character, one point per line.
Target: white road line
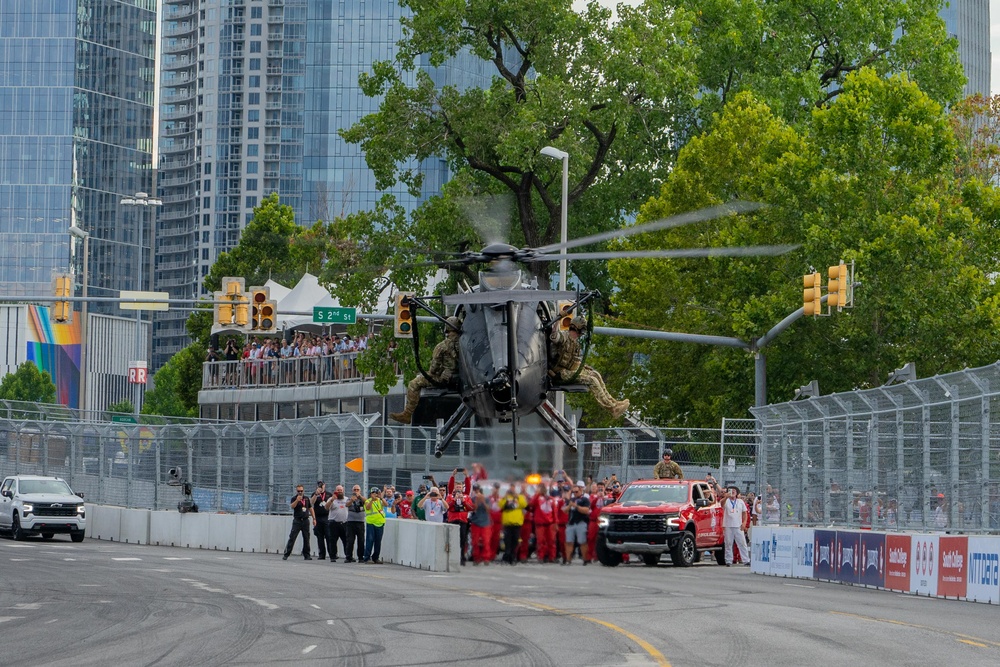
52	620
20	560
330	622
223	558
27	605
262	603
4	619
90	585
113	558
176	558
309	649
69	559
799	586
314	606
21	546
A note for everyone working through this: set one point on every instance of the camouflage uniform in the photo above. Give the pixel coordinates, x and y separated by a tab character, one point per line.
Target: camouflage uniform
444	363
565	356
667	470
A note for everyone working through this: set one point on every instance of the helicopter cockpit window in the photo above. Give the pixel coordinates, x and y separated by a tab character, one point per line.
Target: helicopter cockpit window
654	494
499	280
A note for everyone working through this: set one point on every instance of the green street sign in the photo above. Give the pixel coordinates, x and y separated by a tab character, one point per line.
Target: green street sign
335	315
123	419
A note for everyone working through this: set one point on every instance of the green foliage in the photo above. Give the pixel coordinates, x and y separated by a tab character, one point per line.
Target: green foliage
797	56
176	385
870	178
123	406
29	384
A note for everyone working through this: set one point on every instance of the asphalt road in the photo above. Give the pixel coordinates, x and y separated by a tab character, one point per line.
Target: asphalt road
102	603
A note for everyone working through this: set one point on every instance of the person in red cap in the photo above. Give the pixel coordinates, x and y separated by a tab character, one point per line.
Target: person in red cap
406	506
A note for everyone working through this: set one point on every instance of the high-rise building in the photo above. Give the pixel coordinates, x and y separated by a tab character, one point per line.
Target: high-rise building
969	22
253	94
76	133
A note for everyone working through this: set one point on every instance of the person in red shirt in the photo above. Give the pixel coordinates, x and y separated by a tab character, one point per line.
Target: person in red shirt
562	518
544	512
598	499
406	506
480	527
459	506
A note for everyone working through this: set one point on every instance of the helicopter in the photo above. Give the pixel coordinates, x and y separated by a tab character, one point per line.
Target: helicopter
505	324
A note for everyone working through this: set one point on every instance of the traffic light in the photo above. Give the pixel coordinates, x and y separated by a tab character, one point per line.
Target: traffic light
839	287
263	309
404	315
565	309
812	293
62	311
234	311
223	311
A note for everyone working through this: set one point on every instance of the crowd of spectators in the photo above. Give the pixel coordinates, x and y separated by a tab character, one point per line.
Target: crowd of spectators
306	358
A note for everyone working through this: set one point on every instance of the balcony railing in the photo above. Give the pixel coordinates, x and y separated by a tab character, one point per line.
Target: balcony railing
264	373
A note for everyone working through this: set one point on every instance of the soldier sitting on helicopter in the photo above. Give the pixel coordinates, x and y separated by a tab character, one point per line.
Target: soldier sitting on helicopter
565	357
444	363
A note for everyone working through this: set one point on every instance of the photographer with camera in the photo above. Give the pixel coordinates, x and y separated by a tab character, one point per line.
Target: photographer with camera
433	506
458	514
355	525
302	512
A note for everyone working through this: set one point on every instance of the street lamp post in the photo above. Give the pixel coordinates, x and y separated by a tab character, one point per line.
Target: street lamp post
555	153
85	237
144	200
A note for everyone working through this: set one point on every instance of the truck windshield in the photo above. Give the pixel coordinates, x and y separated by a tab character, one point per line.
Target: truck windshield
54	486
654	494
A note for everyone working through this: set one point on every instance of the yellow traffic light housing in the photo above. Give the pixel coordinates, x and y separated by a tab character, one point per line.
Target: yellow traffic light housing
812	294
234	311
62	286
840	288
262	309
565	309
404	315
223	311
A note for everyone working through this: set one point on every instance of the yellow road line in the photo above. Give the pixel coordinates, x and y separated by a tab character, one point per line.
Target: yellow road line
653	652
967	639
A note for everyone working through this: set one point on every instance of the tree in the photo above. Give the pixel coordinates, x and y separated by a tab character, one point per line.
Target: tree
608	94
871	178
28	384
176	385
796	56
124	406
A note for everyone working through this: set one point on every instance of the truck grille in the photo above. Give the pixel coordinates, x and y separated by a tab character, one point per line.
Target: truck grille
45	509
644	525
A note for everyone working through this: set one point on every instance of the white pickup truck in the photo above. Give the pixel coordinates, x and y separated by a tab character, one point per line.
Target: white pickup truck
34	505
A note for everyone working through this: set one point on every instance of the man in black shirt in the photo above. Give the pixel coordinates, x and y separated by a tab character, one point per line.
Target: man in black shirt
322	528
578	507
302	512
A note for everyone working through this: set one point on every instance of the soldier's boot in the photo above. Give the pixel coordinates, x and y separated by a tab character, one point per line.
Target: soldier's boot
412	398
403	417
620	408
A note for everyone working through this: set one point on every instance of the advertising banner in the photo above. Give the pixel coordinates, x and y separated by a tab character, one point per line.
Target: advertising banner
983	570
897	567
952	565
872	571
825	554
848	559
760	549
802	564
924	564
782	551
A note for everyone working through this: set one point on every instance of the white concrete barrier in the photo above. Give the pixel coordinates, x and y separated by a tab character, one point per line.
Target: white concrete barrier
134	526
418	544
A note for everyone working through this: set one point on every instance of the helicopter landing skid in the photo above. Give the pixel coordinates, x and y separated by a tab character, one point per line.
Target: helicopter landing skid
455	423
557	423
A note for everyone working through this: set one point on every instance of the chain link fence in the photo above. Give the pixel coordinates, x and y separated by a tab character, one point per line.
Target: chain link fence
252	467
922	455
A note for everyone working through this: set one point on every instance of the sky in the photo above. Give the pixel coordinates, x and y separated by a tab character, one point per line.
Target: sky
994	34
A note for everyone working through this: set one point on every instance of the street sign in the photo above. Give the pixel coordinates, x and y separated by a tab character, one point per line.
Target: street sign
330	315
137	372
156	300
123	419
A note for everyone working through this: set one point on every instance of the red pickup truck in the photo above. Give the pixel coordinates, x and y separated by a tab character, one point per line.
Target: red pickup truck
681	517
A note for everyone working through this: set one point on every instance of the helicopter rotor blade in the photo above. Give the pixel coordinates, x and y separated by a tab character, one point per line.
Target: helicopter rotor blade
679	220
678	253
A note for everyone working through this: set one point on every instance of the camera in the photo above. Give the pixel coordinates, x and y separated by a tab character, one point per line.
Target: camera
428	477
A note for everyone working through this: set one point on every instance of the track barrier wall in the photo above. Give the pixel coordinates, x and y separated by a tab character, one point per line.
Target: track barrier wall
417	544
962	567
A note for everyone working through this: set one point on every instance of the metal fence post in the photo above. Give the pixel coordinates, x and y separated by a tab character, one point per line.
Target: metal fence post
157	478
926	462
218	474
270	471
984	447
246	471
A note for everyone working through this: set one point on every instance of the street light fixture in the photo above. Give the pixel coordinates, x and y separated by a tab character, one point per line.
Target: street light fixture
139	199
556	154
84	236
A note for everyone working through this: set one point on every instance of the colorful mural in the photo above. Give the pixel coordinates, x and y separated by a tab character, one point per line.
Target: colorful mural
55	348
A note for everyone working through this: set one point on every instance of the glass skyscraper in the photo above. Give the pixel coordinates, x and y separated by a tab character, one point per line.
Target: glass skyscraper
76	133
969	22
253	94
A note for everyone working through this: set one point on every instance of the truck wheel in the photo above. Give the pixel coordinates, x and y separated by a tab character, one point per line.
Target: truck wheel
607	557
76	536
47	536
651	560
720	556
683	552
15	529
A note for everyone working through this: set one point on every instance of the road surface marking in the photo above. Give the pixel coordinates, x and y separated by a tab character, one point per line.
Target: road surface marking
19	560
654	653
176	558
90	585
309	649
799	586
330	622
314	606
972	643
129	558
4	619
918	627
262	603
21	546
69	559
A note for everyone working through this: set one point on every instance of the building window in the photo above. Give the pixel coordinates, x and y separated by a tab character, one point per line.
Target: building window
253	150
208	168
254	81
255	29
255	47
208	185
253	98
251	167
255	64
256	12
251	187
204	237
253	133
206	203
253	115
251	202
204	253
